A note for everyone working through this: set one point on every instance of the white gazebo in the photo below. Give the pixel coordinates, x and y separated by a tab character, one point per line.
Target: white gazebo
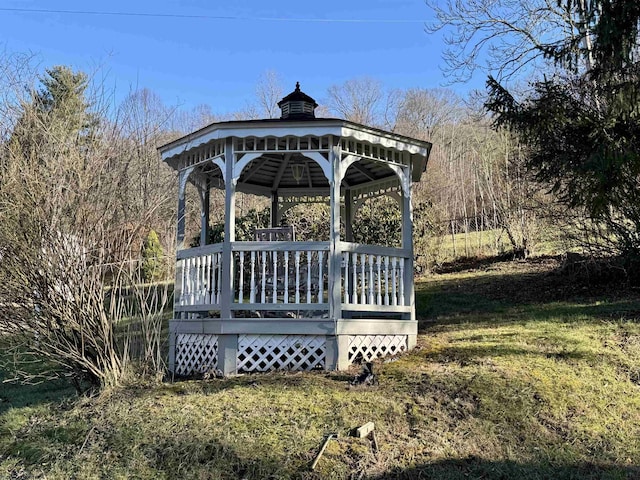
277	303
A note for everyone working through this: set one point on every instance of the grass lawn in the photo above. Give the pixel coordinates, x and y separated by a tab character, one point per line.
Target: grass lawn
519	373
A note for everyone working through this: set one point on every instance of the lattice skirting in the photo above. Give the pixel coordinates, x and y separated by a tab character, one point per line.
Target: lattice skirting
261	353
368	347
196	353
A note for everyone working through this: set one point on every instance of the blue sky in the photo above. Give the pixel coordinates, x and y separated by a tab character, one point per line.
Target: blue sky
217	61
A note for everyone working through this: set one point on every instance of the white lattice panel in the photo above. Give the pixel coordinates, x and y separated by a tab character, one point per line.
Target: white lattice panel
368	347
261	353
196	353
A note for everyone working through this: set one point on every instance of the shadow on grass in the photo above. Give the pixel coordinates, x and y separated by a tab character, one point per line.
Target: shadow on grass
459	311
478	468
467	354
15	395
532	292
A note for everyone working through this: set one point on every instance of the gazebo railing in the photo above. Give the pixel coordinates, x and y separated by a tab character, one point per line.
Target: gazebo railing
199	277
280	273
373	276
286	276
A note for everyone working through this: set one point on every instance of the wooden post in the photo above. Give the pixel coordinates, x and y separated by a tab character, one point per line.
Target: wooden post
275	214
204	214
228	344
335	253
348	215
407	242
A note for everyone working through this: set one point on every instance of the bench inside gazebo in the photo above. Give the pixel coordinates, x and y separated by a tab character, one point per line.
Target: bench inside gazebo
274	302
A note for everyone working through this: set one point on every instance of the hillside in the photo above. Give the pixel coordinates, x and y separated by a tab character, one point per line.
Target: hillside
520	372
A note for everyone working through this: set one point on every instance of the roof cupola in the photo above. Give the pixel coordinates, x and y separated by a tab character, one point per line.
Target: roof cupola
297	105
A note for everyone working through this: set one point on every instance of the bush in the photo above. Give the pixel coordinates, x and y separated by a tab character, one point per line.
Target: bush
152	258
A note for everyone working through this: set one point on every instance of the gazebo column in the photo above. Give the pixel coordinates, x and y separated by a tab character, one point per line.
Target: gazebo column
337	347
204	213
180	232
228	344
407	244
348	215
275	213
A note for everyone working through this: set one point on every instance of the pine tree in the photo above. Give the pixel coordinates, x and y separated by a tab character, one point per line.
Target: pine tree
152	258
583	129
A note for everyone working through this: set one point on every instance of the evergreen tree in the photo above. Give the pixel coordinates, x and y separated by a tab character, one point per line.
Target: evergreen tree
152	258
583	128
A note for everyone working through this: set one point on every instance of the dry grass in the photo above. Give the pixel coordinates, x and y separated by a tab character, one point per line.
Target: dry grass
505	383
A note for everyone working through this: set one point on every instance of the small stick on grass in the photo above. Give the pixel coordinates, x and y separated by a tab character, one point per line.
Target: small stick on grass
322	449
86	439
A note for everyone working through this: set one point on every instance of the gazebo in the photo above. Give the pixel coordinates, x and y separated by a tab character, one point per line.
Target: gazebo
274	302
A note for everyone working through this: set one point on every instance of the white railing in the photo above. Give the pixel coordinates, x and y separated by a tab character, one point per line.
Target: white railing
291	276
198	276
373	275
272	273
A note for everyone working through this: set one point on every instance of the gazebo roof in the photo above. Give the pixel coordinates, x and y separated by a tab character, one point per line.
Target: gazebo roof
280	142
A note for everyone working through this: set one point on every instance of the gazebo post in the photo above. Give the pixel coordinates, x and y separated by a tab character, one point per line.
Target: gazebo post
336	354
407	244
204	212
228	344
180	229
275	214
348	215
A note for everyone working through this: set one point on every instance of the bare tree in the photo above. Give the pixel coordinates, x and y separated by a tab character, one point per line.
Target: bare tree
269	93
421	112
360	100
503	37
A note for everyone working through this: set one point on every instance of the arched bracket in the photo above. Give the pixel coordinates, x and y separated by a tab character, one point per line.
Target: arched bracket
405	180
321	161
183	178
219	162
246	159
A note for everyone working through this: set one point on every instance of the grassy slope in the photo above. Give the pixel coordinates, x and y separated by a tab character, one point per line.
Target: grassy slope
519	373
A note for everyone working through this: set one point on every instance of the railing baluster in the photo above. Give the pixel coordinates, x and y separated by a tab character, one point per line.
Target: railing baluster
371	280
379	297
363	273
181	266
197	281
345	261
286	277
202	288
308	276
394	298
354	296
320	277
274	256
297	276
207	276
252	287
188	299
215	293
386	279
241	282
401	282
263	292
212	278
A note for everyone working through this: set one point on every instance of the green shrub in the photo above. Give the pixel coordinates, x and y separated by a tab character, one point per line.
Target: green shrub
152	258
